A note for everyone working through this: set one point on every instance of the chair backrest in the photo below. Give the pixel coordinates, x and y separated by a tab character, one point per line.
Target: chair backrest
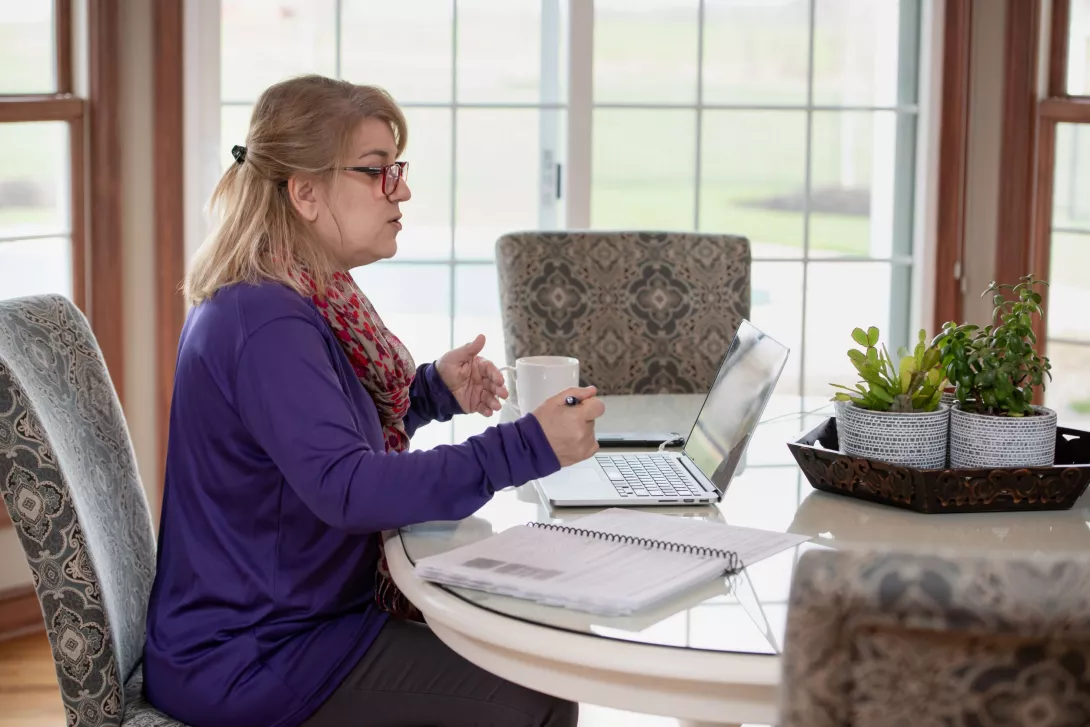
68	478
644	312
879	639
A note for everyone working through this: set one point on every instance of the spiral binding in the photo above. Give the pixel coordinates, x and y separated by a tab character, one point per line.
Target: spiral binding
734	563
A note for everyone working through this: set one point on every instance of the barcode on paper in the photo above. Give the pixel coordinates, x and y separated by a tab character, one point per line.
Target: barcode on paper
512	569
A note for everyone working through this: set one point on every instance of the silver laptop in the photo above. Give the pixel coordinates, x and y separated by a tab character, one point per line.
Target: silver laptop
700	473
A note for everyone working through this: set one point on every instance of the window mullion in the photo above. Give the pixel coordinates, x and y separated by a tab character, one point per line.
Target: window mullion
453	159
699	114
906	128
807	188
549	118
580	113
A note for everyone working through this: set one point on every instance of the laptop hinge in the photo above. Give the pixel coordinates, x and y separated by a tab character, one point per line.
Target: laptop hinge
698	475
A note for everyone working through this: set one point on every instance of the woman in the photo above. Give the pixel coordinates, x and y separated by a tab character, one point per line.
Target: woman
293	407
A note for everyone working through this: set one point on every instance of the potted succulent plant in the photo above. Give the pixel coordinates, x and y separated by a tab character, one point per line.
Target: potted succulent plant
995	371
895	414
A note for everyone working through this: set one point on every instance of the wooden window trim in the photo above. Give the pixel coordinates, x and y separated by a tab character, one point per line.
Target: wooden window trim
1059	106
1057	48
77	148
1028	147
1066	109
94	144
105	264
59	106
169	148
1017	165
46	107
953	161
1040	248
95	165
63	107
62	13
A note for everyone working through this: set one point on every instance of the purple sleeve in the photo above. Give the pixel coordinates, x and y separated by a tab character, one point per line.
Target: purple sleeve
291	401
429	400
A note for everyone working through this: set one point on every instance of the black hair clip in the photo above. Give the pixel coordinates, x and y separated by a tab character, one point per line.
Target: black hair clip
239	153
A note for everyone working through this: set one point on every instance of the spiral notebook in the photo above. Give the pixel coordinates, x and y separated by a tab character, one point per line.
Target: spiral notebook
615	562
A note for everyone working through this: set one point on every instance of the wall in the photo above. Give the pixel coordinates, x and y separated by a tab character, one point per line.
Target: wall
925	231
137	127
14	572
203	163
985	134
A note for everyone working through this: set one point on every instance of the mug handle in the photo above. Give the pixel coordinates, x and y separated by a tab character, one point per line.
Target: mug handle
512	401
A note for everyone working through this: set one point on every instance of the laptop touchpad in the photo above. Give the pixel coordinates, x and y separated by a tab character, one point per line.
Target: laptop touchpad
580	475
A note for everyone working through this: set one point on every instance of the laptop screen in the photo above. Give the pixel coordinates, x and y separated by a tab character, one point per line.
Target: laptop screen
746	378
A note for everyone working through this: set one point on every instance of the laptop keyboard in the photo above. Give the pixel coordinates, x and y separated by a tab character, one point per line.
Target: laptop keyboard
643	475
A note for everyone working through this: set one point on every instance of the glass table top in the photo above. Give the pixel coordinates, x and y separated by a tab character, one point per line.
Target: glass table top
747	612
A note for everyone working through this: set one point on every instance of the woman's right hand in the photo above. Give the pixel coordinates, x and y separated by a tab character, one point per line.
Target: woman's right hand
570	429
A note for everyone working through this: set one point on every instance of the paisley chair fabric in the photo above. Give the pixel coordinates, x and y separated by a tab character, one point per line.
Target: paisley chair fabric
69	481
644	312
889	639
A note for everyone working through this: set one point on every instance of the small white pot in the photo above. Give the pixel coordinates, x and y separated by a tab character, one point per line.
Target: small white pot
912	440
981	440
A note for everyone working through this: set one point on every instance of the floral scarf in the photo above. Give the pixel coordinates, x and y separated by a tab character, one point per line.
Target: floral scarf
386	370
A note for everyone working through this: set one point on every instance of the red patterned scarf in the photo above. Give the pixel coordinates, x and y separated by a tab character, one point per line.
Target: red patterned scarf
386	370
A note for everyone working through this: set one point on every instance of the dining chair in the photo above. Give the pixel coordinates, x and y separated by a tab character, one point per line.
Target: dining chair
892	639
644	312
69	481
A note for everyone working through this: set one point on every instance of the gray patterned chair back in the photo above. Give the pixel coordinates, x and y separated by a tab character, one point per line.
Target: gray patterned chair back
885	639
68	478
644	312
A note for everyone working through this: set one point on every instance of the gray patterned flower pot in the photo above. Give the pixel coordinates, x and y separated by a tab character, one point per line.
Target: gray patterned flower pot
911	440
982	440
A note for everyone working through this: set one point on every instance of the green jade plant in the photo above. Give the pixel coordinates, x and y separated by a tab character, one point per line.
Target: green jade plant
915	384
995	369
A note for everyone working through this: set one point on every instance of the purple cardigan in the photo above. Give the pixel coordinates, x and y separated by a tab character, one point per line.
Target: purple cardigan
276	485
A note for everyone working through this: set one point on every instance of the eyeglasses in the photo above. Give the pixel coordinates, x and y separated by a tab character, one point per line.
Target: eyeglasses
392	174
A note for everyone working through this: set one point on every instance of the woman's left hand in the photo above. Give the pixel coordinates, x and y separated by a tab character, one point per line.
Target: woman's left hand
476	383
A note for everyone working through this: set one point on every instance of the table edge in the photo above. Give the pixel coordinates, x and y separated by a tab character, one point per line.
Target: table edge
571	648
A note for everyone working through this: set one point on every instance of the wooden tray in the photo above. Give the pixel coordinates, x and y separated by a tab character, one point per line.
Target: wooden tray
946	490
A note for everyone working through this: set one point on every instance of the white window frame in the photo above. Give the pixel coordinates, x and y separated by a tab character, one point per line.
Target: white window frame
912	297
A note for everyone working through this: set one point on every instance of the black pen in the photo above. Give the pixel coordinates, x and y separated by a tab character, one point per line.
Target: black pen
571	401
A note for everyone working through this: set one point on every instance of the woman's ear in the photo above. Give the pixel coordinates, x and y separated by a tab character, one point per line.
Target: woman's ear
304	197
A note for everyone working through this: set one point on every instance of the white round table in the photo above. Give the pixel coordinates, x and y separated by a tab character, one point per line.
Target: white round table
709	656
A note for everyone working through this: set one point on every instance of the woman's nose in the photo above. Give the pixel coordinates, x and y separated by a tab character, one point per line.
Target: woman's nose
402	193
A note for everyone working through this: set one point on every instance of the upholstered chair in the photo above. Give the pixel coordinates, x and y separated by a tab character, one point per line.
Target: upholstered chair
894	639
644	312
69	481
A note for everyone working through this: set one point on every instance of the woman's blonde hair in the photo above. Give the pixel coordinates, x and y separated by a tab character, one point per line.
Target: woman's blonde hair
302	125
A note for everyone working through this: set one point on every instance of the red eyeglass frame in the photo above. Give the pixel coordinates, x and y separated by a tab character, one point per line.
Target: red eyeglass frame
384	170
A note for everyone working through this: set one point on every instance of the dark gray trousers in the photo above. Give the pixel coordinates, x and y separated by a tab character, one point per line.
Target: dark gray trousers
409	678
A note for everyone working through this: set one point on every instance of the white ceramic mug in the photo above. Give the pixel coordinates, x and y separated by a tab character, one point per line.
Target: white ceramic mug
539	377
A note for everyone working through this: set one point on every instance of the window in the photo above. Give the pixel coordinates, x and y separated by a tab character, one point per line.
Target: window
792	122
38	122
1061	250
1077	71
1068	344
